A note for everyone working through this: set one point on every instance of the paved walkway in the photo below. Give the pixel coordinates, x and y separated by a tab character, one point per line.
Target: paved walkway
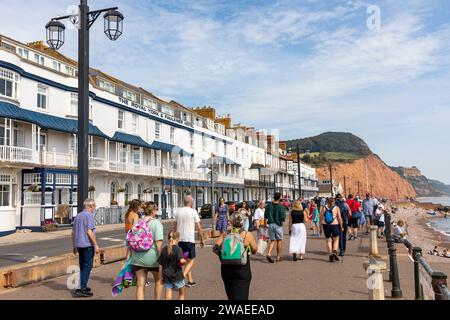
312	278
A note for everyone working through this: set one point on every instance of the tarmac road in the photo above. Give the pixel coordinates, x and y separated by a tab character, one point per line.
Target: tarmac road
33	251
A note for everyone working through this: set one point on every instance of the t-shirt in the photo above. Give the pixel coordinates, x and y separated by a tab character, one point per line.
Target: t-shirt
354	205
171	270
149	258
186	219
275	213
83	222
368	206
259	214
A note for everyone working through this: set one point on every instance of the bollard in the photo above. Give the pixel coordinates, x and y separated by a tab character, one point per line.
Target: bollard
373	241
417	252
395	291
438	279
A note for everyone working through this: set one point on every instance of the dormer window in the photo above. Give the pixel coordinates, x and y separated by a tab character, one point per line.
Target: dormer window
57	66
106	86
129	95
23	53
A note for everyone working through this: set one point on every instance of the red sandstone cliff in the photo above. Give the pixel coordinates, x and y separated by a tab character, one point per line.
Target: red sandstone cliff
380	179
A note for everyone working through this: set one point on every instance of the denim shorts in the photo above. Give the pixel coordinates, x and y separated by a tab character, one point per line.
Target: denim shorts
175	285
275	232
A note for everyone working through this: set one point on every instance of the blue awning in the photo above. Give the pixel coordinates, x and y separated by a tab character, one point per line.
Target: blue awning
45	121
130	139
167	147
222	160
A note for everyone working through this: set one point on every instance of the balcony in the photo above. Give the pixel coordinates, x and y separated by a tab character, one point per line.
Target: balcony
230	179
18	155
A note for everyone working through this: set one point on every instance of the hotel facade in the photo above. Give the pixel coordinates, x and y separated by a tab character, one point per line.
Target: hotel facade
140	146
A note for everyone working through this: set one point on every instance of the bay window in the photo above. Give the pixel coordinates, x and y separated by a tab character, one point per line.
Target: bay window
8	83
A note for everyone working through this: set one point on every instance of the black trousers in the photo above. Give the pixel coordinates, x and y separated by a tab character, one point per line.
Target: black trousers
236	280
343	238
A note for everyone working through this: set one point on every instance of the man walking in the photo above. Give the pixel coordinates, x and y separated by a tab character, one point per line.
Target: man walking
345	213
368	206
275	215
186	221
85	244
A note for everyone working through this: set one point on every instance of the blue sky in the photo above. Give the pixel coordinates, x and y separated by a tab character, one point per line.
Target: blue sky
303	67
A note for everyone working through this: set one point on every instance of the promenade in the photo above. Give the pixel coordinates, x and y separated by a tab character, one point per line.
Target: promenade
313	278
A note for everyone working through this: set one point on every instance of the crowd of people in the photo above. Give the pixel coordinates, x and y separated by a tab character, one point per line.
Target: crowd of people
170	261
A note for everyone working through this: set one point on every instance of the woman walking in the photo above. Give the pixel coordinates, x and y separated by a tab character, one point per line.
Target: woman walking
222	217
245	211
331	220
171	261
132	214
143	262
258	219
237	278
297	229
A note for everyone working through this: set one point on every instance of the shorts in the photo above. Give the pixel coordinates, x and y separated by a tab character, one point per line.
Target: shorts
174	285
151	269
376	221
188	247
380	224
331	230
275	232
353	223
369	219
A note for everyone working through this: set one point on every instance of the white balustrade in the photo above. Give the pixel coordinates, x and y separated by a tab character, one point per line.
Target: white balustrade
17	154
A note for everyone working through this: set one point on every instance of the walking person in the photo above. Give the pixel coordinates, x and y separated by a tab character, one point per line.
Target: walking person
297	229
258	219
345	213
132	214
186	220
353	221
275	215
381	218
331	221
236	275
222	216
245	211
85	244
143	262
368	206
171	272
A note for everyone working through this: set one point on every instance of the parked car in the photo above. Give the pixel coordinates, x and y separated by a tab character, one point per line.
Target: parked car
206	211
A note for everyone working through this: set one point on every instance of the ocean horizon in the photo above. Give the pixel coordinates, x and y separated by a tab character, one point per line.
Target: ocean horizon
445	201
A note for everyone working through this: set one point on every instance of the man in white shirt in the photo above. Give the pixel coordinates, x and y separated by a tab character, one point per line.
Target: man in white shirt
186	219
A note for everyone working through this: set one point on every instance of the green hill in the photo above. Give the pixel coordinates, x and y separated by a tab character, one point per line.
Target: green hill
334	146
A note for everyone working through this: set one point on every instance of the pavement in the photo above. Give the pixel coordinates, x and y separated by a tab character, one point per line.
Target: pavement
34	246
313	278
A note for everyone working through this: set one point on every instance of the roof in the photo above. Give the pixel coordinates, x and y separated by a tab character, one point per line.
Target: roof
45	121
130	139
167	147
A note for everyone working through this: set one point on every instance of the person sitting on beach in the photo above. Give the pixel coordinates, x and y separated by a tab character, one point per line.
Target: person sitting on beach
446	253
434	252
400	233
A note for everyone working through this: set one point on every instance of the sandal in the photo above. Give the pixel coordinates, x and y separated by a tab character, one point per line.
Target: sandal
301	258
278	259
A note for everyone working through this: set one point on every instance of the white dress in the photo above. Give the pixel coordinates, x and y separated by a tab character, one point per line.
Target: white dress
297	243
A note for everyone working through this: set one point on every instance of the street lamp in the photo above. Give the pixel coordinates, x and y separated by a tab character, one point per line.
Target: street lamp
55	39
211	167
299	172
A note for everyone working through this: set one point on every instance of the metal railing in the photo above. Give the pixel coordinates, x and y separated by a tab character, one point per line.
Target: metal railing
110	215
428	284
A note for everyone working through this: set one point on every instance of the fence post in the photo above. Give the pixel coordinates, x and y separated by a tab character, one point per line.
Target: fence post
438	279
396	292
417	253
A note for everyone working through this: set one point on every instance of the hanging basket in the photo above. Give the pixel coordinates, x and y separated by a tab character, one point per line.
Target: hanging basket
91	189
148	190
121	189
34	188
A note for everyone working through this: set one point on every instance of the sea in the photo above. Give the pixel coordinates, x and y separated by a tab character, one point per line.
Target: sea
441	224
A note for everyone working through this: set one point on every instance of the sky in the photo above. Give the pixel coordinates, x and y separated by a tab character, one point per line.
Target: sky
377	69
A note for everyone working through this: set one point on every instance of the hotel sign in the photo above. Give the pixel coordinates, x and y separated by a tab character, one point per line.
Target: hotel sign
156	113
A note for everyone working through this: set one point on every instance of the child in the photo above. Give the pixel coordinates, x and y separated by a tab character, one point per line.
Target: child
380	230
315	218
171	273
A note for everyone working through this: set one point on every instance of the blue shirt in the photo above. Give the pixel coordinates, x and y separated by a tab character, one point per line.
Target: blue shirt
83	222
368	206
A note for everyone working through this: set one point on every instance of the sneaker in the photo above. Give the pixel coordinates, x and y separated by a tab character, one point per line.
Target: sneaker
191	284
366	233
148	284
83	293
335	256
350	237
270	259
331	258
341	253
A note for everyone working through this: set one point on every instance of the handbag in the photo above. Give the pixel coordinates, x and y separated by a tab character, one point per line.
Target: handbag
262	247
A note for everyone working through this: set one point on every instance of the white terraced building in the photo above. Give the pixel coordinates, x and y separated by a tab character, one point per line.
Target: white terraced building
140	146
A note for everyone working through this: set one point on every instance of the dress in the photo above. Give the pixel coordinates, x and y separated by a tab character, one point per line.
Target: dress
297	243
222	221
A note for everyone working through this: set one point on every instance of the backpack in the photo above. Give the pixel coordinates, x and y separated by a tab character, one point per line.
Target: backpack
344	210
329	218
233	250
140	238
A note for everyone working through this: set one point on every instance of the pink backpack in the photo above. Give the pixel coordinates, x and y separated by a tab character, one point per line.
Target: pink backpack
140	238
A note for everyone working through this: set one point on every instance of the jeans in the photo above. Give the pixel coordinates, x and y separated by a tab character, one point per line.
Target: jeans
86	258
343	238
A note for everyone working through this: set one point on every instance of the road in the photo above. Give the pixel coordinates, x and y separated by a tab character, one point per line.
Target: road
33	251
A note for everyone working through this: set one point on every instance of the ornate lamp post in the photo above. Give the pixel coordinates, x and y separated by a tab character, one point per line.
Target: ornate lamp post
113	24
